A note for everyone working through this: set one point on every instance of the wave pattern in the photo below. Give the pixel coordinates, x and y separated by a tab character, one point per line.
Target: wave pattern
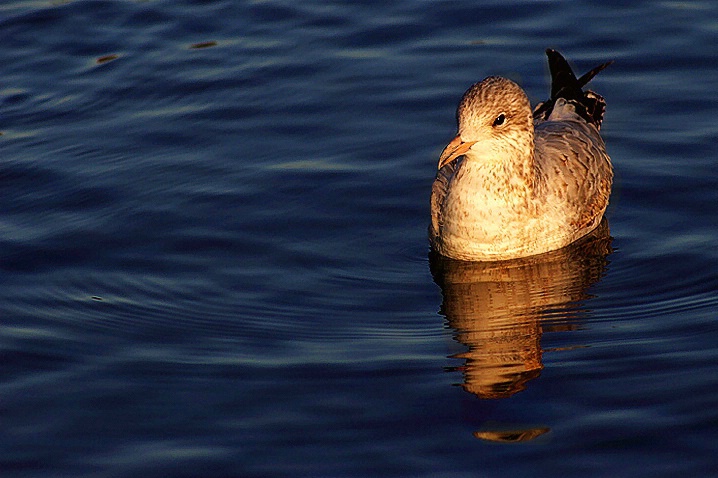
214	258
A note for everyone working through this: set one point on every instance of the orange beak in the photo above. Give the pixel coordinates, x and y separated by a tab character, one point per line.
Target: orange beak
453	150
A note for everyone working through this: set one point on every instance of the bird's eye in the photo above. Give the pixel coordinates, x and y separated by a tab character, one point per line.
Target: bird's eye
500	119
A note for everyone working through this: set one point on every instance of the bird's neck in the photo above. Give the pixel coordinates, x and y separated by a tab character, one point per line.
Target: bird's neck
492	173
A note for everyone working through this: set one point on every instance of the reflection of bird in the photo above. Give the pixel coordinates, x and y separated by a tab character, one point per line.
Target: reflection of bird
529	182
498	308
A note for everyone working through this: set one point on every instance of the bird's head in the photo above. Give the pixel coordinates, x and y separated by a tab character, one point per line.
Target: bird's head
494	118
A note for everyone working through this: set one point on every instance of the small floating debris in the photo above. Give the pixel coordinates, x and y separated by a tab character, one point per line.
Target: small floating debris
97	298
204	44
106	58
511	436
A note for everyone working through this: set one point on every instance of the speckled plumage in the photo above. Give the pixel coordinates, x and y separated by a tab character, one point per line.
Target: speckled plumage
528	182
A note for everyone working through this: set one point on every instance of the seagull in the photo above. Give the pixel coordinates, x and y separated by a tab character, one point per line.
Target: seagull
515	182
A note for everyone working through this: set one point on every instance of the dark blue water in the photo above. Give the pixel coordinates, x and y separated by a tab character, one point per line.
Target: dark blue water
214	262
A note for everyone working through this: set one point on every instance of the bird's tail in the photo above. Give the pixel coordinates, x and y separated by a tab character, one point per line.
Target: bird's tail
564	84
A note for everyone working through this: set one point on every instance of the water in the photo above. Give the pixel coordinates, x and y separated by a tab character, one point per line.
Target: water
214	258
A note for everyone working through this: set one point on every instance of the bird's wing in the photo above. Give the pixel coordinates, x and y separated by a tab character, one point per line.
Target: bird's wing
439	190
564	84
573	167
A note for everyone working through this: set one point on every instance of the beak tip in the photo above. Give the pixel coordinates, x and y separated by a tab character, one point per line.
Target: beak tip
456	147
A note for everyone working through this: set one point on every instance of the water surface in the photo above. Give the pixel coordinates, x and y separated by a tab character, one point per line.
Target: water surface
214	258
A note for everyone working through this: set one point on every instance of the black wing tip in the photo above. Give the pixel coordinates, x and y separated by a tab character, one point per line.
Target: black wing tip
564	84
